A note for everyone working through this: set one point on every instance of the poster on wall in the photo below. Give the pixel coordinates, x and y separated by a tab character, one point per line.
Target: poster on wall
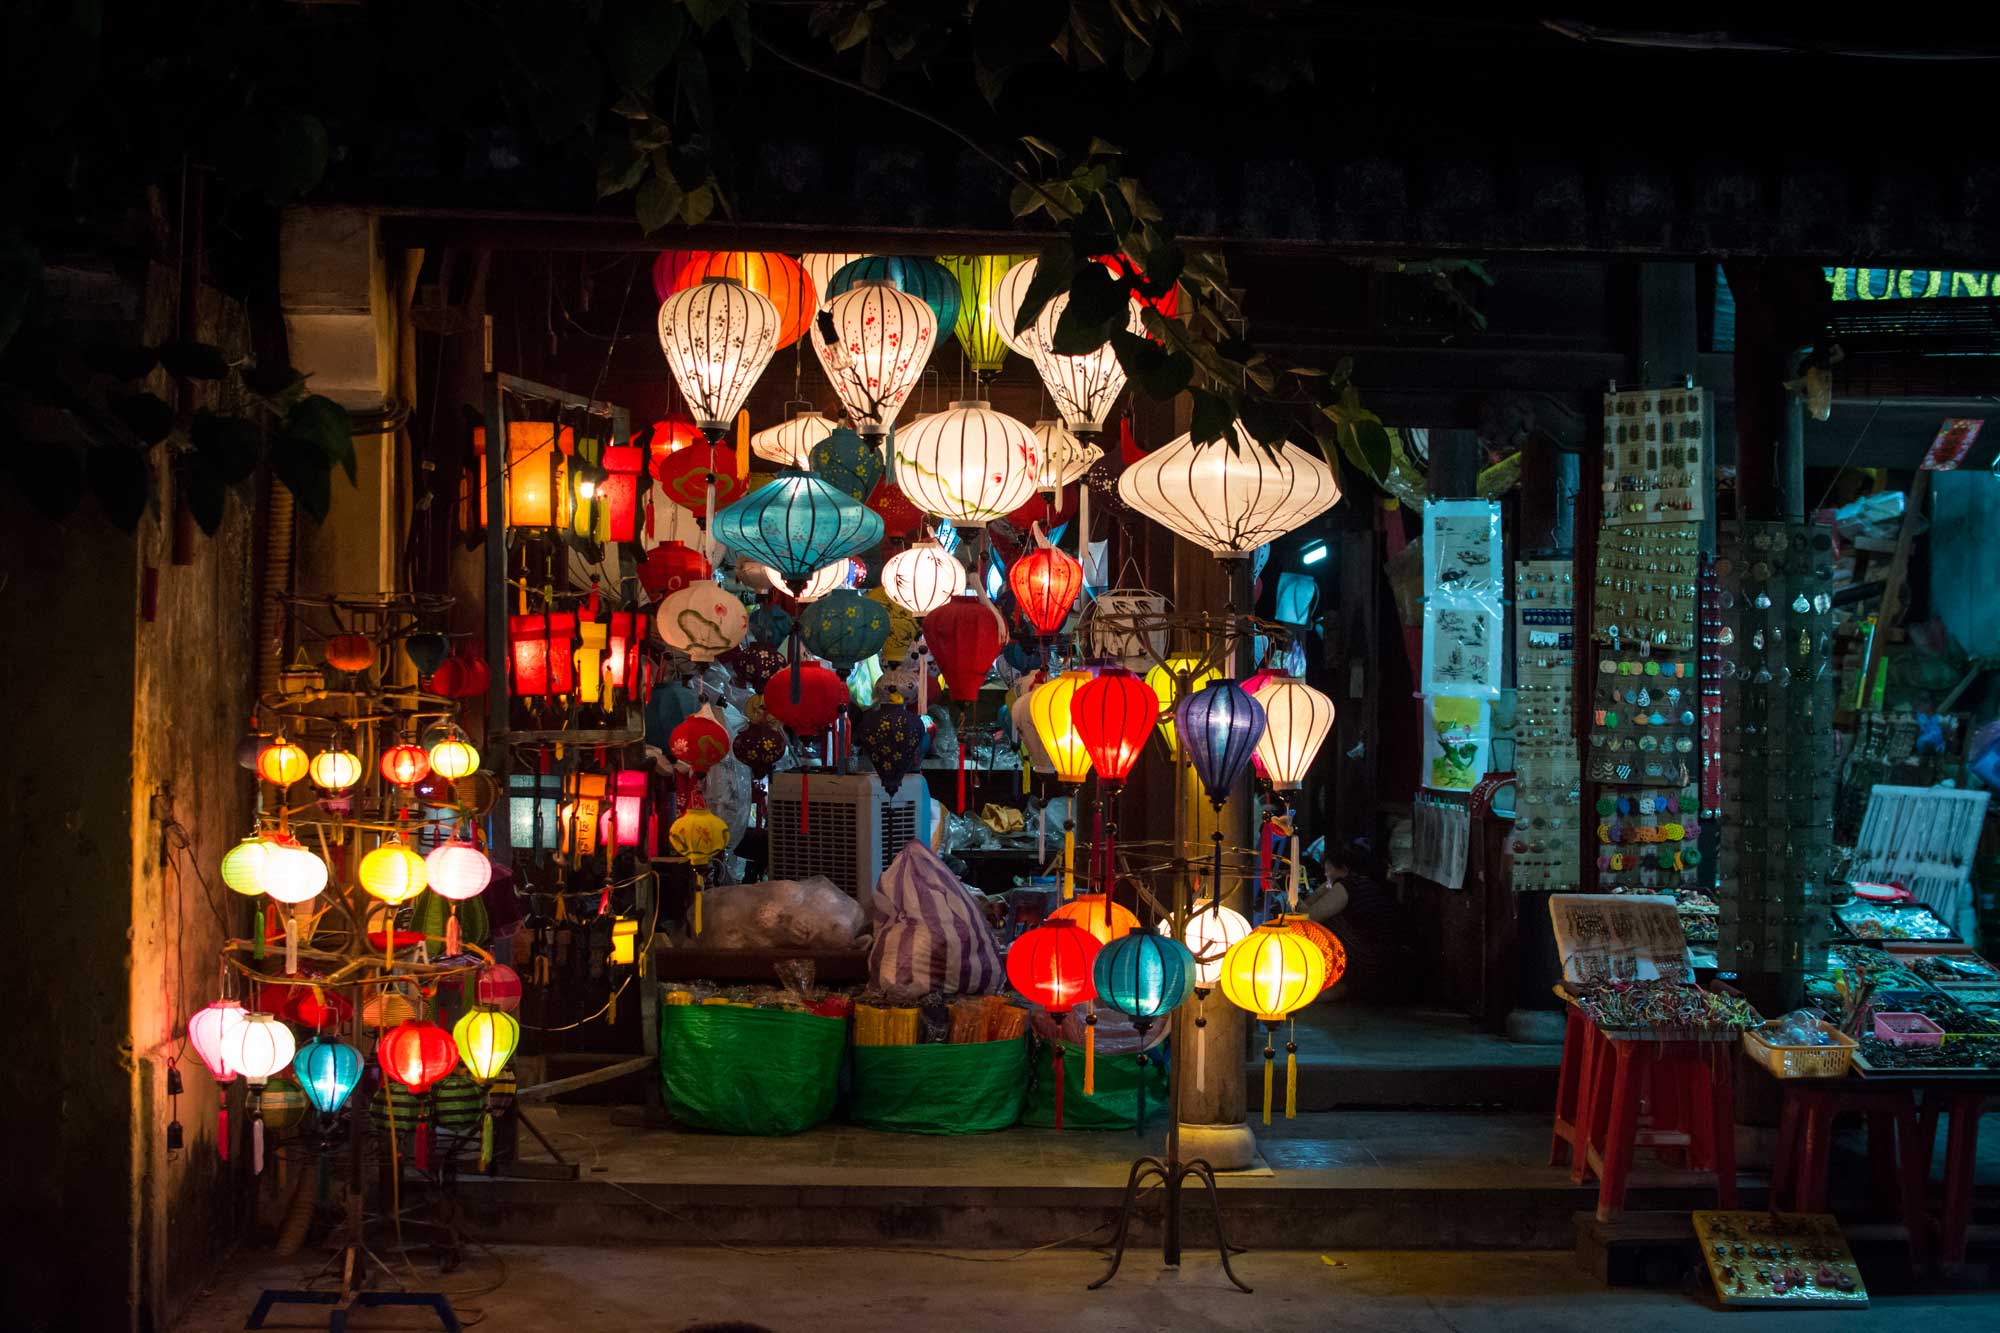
1462	647
1457	740
1464	591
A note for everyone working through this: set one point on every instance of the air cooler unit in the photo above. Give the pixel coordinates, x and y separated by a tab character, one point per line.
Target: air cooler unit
852	830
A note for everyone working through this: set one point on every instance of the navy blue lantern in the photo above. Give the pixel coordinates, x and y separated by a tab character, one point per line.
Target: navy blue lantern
1219	726
926	279
844	627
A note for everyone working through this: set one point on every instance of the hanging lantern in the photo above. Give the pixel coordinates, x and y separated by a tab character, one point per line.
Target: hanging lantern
417	1054
393	873
700	835
624	823
759	745
1144	976
497	985
1046	583
404	765
625	655
844	627
1209	933
457	870
543	663
388	1008
790	442
926	279
453	757
291	874
718	336
968	464
1220	725
1174	679
700	742
1064	458
777	278
257	1048
892	737
1328	944
537	474
902	627
1049	708
754	664
880	341
821	582
1114	713
1051	966
797	524
671	566
1228	498
820	268
702	620
922	578
243	865
281	763
486	1039
350	652
532	810
328	1072
334	771
1097	913
810	705
899	517
1297	720
1008	296
617	492
464	675
209	1032
965	635
427	652
978	326
1085	386
1272	973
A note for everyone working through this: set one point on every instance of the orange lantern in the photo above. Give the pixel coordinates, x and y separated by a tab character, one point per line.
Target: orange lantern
1098	914
776	277
537	473
350	652
281	763
1325	941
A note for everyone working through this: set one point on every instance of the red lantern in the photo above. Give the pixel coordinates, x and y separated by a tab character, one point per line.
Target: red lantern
463	675
899	516
671	566
624	822
1113	715
684	476
625	658
350	652
822	695
304	1002
1167	303
965	635
417	1054
1046	582
700	742
498	985
543	663
405	765
670	437
1051	965
618	492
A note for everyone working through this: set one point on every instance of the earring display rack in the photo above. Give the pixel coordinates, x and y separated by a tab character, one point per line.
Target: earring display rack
1547	782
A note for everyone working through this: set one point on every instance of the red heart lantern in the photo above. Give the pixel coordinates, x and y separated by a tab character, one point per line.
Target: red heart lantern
965	635
899	516
684	477
822	695
671	566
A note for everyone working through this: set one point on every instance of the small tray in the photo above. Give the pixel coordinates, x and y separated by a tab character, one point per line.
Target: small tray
1921	925
1803	1061
1908	1030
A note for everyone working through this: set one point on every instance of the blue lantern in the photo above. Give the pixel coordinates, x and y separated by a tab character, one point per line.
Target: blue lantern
849	462
1145	975
797	524
892	736
926	279
1219	726
670	704
844	627
770	625
328	1072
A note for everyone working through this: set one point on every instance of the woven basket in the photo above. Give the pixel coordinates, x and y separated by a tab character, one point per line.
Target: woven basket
1803	1061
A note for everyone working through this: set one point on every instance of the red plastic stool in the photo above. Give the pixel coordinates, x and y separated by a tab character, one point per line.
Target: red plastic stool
1691	1088
1898	1154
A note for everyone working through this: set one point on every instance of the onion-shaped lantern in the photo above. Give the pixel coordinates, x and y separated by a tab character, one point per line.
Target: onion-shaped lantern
880	341
1210	932
926	279
405	765
1229	498
798	524
1173	680
1046	582
486	1039
844	627
967	464
718	336
777	278
1064	458
700	741
1297	720
978	326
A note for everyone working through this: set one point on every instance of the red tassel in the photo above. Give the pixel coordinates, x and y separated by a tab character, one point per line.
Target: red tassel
222	1123
1057	1061
961	775
454	937
420	1146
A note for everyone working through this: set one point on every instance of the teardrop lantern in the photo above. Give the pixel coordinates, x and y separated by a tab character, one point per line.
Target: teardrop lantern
873	342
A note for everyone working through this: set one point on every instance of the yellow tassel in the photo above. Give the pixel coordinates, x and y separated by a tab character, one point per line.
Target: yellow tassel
1267	1085
486	1142
697	911
1069	864
743	444
611	1010
1090	1059
1291	1084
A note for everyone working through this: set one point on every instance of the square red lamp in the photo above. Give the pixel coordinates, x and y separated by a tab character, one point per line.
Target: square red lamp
543	664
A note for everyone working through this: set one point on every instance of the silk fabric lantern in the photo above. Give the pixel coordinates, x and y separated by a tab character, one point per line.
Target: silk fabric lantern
257	1048
1046	583
892	737
967	464
350	652
393	873
1297	720
328	1072
790	442
1049	709
818	584
281	763
1209	933
454	757
1271	973
418	1055
1114	713
760	745
1007	299
543	664
1328	944
702	620
820	696
700	742
1228	498
777	278
210	1031
1097	913
1219	725
700	835
498	985
404	765
754	664
334	771
850	461
922	578
797	524
820	268
965	635
1051	966
844	627
243	865
1143	976
291	874
1084	386
880	341
457	870
671	566
926	279
977	325
486	1039
1064	458
718	336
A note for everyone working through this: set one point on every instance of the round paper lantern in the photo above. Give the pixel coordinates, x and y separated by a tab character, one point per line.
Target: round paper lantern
1046	582
881	340
718	336
702	620
1328	944
291	874
417	1054
820	269
486	1039
700	742
393	873
1219	725
1228	498
790	442
1114	713
922	578
243	865
671	566
1085	386
926	279
1297	718
1104	919
1007	298
892	737
1051	965
334	770
281	763
967	464
821	696
1172	680
760	745
457	870
1272	972
387	1009
777	278
844	627
700	835
1064	458
328	1072
1143	975
977	326
797	524
209	1031
1049	708
1208	935
405	765
454	757
258	1047
965	635
498	985
818	584
350	652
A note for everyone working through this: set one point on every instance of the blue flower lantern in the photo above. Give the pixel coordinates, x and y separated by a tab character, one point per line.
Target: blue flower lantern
844	627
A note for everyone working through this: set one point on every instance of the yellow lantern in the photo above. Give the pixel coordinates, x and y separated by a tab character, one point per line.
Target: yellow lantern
334	770
486	1038
454	757
393	873
1272	973
700	835
625	940
1166	680
1049	711
281	763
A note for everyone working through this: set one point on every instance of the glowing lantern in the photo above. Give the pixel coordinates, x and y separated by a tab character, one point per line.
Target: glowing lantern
1143	976
1228	498
1049	712
700	742
537	474
1046	582
454	757
624	822
926	279
243	865
1219	725
669	437
1098	914
881	340
1008	296
208	1032
821	582
486	1039
797	525
618	492
1328	944
1113	714
702	620
543	663
777	278
1177	677
1084	386
718	336
967	464
328	1072
671	566
965	635
1064	458
405	765
393	873
281	763
1051	966
820	268
291	874
1272	973
700	835
497	985
1209	933
350	652
417	1054
922	578
790	442
1297	720
978	327
334	770
257	1048
458	870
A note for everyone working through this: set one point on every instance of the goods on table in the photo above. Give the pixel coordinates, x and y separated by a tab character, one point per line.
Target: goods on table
1953	969
1666	1010
1891	921
1780	1260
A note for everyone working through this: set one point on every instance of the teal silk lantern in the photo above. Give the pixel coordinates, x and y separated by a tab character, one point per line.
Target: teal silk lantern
797	524
926	279
670	704
848	462
844	627
771	625
328	1072
1143	975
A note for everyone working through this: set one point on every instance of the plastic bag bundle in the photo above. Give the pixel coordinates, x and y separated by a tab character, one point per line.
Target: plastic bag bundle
783	914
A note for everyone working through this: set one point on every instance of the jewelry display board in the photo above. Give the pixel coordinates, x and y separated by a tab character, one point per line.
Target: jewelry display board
1774	651
1794	1261
1547	776
1653	440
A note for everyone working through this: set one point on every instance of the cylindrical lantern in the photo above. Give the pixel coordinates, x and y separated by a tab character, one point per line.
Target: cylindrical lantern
718	336
1229	498
454	757
978	327
967	464
1297	718
393	873
778	278
328	1072
258	1047
281	763
703	620
1064	458
405	765
417	1054
1046	582
922	578
1113	714
881	340
790	442
457	870
334	771
1219	725
798	524
486	1038
1173	680
1097	913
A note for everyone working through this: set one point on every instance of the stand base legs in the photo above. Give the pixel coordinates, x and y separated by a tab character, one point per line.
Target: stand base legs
1171	1178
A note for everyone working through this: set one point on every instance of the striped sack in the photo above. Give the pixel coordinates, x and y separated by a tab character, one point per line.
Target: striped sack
930	931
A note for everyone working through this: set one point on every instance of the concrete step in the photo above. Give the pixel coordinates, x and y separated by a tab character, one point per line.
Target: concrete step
1338	1086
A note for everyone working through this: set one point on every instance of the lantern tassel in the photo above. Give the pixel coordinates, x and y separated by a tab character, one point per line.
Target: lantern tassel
1139	1125
1026	772
257	1142
420	1142
1090	1054
961	770
486	1141
1269	1056
697	912
257	943
1296	878
222	1121
1292	1074
454	938
1056	1061
292	942
1201	1045
1069	860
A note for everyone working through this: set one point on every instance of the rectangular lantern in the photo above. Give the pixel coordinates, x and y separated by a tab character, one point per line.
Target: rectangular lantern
537	473
532	810
625	660
543	664
625	820
593	637
582	813
625	939
618	492
586	476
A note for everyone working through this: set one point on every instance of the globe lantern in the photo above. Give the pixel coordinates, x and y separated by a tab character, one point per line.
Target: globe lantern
281	763
1297	720
1097	913
1229	498
328	1072
334	771
405	765
497	985
777	278
1046	583
457	869
807	701
926	279
291	874
880	341
1271	973
486	1039
1143	976
967	464
1172	680
702	620
243	865
418	1055
790	442
671	566
760	746
282	1104
1328	944
1209	934
922	578
844	627
718	336
454	757
393	873
208	1032
1051	966
257	1048
978	326
700	741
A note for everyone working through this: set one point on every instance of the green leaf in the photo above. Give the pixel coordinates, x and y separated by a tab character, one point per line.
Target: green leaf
144	414
1042	148
1103	148
193	360
640	40
657	202
1153	370
298	463
205	491
122	481
50	476
228	446
1212	419
1025	200
20	277
700	202
856	32
280	385
1373	441
1097	306
1055	269
619	167
121	361
323	424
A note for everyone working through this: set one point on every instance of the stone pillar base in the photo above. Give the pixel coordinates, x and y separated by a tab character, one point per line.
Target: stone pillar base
1224	1147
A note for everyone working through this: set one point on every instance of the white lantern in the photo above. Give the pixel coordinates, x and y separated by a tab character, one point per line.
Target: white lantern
258	1047
821	268
818	584
1064	457
882	340
923	578
790	443
968	464
1084	387
1007	299
718	336
1230	499
1297	718
702	620
754	574
292	874
1209	932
